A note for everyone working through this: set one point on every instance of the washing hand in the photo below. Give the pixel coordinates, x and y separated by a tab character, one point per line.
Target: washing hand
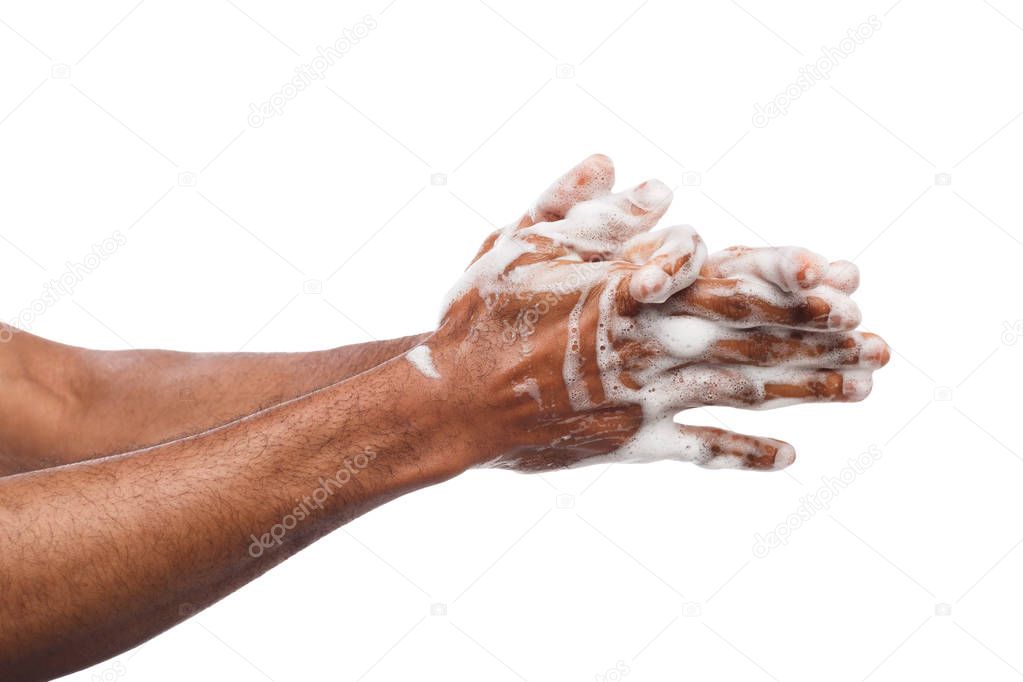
577	334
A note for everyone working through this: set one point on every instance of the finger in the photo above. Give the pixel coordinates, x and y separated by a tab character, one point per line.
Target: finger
790	268
843	275
486	246
670	258
803	386
756	388
720	449
627	213
593	177
744	302
680	340
766	347
598	227
705	446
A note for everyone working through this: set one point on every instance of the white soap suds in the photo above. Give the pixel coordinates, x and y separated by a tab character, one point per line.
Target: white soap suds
529	387
689	368
665	390
422	359
781	266
593	228
684	337
572	369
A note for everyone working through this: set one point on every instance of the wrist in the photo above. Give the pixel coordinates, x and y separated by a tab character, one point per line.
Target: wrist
357	358
415	425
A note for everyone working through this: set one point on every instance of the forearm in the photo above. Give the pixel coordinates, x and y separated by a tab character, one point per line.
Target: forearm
139	398
155	530
69	404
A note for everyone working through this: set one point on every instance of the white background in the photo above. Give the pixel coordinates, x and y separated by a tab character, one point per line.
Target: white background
912	570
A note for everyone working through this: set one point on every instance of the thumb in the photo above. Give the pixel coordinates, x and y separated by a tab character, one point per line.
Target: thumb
720	449
593	177
671	260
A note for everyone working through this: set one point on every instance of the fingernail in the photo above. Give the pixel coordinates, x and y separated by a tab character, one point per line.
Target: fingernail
885	355
843	275
844	315
785	456
818	309
812	272
876	350
595	169
649	285
856	388
601	161
652	194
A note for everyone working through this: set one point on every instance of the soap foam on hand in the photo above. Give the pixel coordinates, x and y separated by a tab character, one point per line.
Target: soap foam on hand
587	249
422	359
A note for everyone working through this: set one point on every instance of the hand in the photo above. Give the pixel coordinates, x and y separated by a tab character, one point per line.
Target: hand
793	270
582	365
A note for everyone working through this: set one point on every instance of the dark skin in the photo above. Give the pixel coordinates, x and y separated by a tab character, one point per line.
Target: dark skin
67	404
612	279
70	404
167	530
